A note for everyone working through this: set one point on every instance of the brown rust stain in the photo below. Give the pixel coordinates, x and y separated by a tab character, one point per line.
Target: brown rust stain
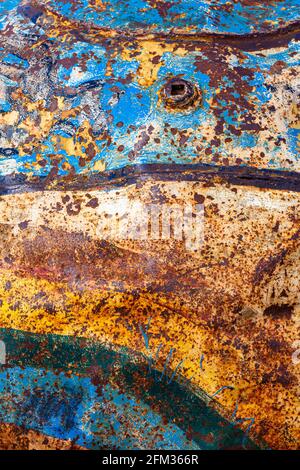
14	437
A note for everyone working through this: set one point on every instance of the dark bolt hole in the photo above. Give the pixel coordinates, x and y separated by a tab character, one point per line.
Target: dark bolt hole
180	94
177	90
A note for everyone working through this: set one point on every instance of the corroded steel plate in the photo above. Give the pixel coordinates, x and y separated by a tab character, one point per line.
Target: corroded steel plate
153	16
184	121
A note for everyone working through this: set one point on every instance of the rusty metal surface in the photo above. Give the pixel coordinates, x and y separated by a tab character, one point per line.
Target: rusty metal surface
79	101
105	115
151	16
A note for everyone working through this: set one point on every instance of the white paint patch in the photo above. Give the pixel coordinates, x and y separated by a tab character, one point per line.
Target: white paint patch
8	166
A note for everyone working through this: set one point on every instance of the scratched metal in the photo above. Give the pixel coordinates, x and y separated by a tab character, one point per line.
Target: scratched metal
109	107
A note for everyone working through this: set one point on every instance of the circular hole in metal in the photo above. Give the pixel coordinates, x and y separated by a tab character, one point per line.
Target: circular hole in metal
178	94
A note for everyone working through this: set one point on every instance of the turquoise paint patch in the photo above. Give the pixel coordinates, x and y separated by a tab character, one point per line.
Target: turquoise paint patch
294	141
248	140
70	408
13	59
99	401
5	7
